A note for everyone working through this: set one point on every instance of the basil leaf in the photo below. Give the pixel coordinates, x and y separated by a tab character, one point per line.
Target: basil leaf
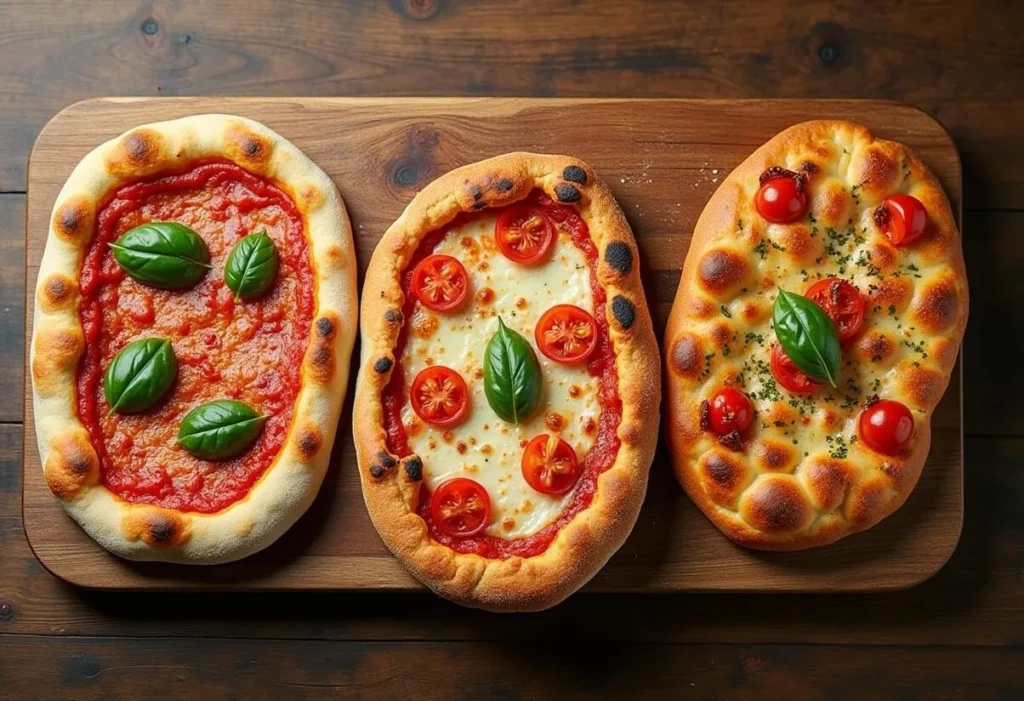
511	375
162	254
219	430
140	374
807	335
251	266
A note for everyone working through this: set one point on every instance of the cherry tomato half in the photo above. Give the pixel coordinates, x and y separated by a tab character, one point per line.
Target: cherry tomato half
781	200
843	303
524	234
440	282
550	465
460	507
907	219
439	396
566	333
730	410
787	374
887	427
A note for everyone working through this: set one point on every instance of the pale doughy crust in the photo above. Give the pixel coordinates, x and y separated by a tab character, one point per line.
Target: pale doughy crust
584	544
772	496
70	463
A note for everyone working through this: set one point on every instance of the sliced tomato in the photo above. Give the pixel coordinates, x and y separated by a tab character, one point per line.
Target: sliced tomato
524	234
440	282
439	396
787	374
843	303
729	410
550	465
905	219
460	507
887	427
566	333
780	198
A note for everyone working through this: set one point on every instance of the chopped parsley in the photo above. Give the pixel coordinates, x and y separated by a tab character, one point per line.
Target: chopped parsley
837	448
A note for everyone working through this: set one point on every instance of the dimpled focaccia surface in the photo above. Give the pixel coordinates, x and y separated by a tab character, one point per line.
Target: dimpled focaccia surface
802	476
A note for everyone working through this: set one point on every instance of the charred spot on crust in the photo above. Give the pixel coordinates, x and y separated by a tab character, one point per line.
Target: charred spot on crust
505	185
56	290
827	482
619	256
73	219
938	306
393	316
575	174
705	415
377	471
777	505
479	205
723	470
623	311
476	192
161	530
137	146
251	147
809	167
772	456
382	365
325	327
721	269
308	442
387	460
567	193
774	172
686	354
414	468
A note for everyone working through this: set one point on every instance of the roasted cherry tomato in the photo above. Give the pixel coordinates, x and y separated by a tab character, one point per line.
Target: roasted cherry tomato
566	334
729	410
439	396
550	465
843	303
887	427
906	220
460	507
780	200
787	374
524	234
440	282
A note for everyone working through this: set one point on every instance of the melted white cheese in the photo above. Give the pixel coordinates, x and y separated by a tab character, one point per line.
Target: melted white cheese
483	447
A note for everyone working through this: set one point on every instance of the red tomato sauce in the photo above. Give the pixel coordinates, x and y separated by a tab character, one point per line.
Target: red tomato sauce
248	351
601	365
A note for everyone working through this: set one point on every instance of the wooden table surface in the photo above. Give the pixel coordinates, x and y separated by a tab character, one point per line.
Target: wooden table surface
958	635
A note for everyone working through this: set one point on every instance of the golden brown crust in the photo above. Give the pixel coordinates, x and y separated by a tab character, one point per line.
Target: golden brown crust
391	487
70	462
801	478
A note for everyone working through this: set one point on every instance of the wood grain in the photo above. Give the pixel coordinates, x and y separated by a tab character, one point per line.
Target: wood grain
12	303
915	50
974	600
107	668
662	159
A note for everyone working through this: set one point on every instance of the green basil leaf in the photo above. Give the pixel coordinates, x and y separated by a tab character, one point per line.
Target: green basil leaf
251	266
511	375
807	335
140	374
162	254
219	430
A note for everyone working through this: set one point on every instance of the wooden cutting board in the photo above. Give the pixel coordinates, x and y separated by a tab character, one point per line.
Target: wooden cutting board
663	159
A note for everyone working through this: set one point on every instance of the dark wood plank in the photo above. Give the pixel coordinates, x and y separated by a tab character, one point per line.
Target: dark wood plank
12	304
662	169
916	51
117	668
975	599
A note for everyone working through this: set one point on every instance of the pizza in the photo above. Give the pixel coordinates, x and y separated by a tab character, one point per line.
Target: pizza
817	321
194	319
506	409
